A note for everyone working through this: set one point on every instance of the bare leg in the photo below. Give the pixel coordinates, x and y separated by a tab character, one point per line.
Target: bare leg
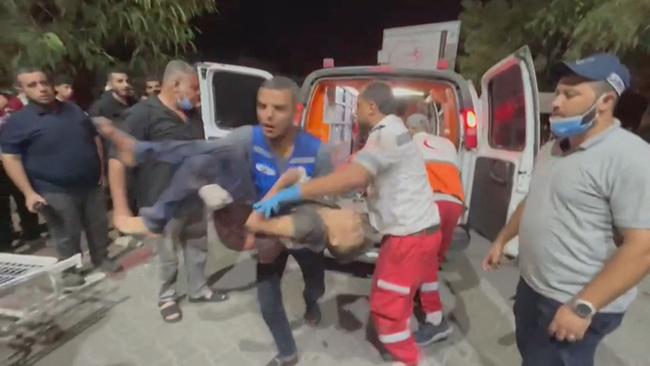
132	225
124	143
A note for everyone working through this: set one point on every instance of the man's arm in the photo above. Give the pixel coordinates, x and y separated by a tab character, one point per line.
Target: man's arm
280	226
117	185
13	165
626	269
352	176
100	152
287	179
511	230
371	160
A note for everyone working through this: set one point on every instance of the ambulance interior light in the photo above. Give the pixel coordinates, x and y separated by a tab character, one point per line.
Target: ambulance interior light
406	92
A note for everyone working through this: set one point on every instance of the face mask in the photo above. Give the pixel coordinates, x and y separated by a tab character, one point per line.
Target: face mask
564	127
185	104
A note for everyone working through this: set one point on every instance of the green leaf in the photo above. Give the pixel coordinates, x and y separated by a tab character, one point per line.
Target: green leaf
53	42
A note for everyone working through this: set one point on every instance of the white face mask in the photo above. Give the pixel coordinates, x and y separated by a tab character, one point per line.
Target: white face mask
566	127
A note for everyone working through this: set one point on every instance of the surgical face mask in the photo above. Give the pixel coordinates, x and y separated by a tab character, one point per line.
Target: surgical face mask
566	127
185	104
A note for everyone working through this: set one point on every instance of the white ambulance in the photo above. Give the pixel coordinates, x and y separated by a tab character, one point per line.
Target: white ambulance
497	135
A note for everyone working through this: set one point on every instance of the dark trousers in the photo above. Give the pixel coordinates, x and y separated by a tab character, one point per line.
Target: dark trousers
68	214
269	293
28	220
533	315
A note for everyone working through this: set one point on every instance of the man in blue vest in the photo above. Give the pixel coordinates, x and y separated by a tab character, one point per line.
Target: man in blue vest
268	149
277	144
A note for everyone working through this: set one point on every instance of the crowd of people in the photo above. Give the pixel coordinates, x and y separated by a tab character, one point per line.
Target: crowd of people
272	188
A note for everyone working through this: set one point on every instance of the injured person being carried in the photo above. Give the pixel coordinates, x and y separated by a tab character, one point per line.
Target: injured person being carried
211	173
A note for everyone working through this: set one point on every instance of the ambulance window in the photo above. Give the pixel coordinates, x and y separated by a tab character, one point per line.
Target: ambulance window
507	128
235	98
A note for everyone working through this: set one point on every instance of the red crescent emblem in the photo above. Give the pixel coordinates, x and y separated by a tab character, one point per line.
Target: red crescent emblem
426	143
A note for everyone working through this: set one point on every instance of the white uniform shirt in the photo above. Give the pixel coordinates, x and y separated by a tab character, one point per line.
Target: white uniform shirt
400	201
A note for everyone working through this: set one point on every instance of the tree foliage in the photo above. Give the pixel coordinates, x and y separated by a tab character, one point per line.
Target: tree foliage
66	35
555	30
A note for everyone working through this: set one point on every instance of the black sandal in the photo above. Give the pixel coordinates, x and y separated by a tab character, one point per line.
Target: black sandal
169	309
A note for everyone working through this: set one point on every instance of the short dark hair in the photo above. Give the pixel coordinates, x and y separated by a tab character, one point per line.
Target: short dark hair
27	70
151	77
115	70
381	94
282	83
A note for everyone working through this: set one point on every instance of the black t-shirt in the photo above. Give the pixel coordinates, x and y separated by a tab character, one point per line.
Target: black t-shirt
150	120
109	107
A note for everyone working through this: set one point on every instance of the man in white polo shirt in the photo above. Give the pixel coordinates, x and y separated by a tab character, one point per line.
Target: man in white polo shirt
591	181
401	207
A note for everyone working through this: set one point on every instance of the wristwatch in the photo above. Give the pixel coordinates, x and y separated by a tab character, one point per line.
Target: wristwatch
583	309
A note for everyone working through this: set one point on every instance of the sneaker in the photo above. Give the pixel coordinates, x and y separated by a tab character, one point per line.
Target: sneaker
312	315
72	278
283	361
429	333
214	296
109	266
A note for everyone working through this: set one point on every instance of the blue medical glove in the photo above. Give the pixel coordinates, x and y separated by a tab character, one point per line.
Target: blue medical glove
272	206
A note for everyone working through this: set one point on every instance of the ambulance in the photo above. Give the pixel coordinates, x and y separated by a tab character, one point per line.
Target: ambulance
496	134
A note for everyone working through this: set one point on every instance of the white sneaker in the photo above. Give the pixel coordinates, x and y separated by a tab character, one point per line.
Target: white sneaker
214	197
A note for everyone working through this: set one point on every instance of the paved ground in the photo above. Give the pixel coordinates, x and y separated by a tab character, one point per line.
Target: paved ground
232	333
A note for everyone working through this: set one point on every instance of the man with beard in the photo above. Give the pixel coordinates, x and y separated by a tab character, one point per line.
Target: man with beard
170	115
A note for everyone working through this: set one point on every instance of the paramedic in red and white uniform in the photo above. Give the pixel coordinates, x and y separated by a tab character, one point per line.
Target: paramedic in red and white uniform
443	169
401	207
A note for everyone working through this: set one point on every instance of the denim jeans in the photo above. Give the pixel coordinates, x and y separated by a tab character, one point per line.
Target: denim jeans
269	293
534	314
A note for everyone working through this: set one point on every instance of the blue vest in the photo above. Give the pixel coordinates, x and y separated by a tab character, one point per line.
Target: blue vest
265	169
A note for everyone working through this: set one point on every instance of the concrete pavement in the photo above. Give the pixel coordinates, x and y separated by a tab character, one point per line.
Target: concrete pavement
233	333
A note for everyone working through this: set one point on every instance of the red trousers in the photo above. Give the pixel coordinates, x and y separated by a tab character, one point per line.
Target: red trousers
450	213
405	264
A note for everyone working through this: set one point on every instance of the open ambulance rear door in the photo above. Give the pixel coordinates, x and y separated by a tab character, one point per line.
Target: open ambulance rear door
228	96
508	142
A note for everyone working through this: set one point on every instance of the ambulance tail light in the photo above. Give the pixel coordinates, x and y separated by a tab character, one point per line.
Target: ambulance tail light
298	117
471	128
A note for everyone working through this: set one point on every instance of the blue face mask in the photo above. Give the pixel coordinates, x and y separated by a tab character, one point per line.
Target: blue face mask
565	127
185	104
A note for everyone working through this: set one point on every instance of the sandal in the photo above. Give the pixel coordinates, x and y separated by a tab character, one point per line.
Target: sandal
170	311
216	296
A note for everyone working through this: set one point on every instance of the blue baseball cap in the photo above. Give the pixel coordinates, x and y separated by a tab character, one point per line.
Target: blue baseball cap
599	67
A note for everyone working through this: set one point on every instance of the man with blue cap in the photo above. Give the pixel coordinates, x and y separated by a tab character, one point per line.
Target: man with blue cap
589	184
